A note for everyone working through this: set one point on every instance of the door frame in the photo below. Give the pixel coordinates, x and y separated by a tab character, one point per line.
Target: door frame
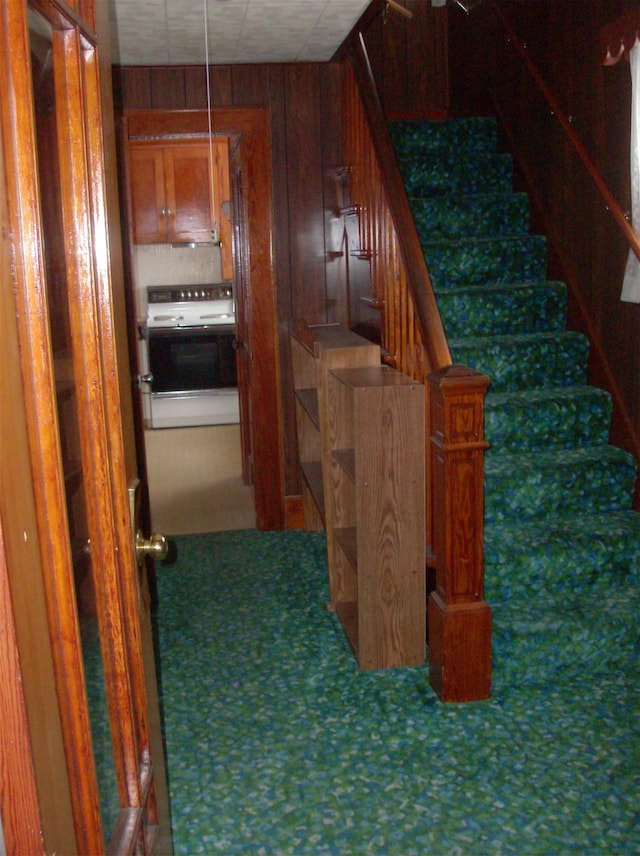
251	126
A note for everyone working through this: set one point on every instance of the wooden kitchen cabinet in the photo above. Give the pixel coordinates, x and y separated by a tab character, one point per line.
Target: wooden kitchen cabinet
177	191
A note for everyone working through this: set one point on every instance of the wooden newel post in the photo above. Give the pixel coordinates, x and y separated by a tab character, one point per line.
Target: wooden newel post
459	617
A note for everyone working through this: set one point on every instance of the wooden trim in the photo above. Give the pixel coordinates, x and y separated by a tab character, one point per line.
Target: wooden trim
294	512
19	806
93	421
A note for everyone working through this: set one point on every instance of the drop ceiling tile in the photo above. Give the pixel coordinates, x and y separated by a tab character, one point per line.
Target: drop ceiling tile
172	31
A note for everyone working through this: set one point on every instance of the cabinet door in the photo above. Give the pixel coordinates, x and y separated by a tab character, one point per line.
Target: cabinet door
148	198
187	183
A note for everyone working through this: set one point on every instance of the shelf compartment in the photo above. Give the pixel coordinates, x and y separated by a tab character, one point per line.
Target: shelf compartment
346	458
348	540
312	472
347	612
308	398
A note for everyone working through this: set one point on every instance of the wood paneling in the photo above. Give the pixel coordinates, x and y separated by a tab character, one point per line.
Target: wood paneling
409	59
587	249
303	112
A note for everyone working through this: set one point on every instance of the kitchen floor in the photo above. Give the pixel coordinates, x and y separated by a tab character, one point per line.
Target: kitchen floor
195	480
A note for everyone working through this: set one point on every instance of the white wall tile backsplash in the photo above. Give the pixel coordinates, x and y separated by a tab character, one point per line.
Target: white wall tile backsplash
162	264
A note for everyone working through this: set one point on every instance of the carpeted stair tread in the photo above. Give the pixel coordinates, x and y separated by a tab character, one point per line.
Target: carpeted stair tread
554	638
449	217
560	482
502	309
510	258
539	419
589	552
448	175
472	134
526	361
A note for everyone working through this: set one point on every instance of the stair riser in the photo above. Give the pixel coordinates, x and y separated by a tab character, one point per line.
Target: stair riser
448	218
541	646
429	178
526	423
478	134
523	577
495	310
519	259
526	363
578	485
595	555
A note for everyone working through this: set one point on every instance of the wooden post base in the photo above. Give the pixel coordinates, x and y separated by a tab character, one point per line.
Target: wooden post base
460	650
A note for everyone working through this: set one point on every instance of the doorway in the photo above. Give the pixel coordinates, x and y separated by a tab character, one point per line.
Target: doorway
260	433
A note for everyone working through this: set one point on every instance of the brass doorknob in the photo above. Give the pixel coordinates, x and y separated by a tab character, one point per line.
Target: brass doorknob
156	546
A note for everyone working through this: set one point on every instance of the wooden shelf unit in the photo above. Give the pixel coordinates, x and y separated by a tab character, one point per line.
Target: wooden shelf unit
361	441
376	435
315	351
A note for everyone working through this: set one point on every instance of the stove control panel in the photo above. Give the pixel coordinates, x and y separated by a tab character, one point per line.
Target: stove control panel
189	293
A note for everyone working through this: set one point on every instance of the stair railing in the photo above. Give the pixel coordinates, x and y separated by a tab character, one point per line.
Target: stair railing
611	203
537	118
413	336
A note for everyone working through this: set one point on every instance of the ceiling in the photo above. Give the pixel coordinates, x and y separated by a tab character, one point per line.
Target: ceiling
172	32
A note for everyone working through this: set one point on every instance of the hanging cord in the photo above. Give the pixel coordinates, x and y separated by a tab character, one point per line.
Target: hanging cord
215	229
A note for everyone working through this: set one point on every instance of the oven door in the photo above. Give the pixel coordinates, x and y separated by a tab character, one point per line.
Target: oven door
192	359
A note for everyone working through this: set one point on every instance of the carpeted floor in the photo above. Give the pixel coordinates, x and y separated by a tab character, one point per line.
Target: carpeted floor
277	744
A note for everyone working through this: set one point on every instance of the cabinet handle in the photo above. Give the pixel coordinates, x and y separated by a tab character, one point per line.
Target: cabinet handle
166	212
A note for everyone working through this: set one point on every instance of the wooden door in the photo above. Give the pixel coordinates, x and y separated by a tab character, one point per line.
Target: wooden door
80	431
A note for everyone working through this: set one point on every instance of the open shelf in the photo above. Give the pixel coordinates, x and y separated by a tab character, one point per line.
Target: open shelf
312	472
347	612
348	540
308	398
347	460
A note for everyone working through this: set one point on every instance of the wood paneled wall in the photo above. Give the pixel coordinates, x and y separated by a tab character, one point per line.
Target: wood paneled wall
304	108
409	60
587	248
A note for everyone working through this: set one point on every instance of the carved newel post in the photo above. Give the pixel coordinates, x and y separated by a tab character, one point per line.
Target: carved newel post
459	617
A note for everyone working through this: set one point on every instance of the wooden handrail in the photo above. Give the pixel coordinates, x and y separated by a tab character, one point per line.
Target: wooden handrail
609	199
418	279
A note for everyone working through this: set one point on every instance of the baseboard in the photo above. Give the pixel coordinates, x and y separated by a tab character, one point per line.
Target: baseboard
293	512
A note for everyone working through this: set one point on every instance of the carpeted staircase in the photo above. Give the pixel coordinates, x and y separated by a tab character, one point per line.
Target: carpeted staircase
562	543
